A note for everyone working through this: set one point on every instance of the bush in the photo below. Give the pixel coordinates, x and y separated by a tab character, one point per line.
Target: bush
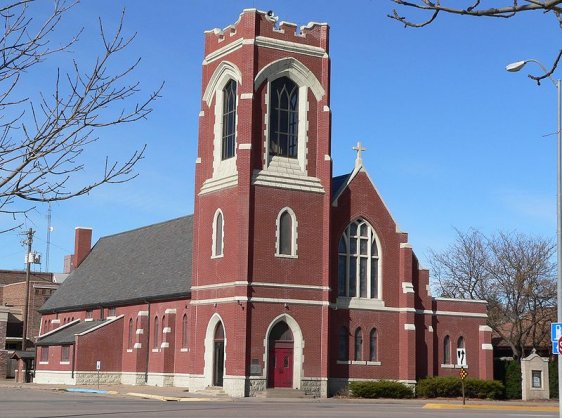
513	380
451	387
553	378
381	389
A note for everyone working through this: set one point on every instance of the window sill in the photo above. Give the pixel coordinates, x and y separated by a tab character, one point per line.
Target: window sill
286	256
373	363
217	256
129	350
155	350
64	362
447	366
184	350
43	362
344	302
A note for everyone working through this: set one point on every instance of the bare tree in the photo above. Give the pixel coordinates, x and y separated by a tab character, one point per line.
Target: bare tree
43	141
474	8
513	272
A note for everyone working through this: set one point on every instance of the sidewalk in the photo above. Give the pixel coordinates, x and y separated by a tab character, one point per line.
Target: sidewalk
178	394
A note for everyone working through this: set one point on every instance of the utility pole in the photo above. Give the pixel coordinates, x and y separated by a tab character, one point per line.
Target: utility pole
27	274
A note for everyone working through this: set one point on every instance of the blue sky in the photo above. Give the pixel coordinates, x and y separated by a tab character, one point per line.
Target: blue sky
453	140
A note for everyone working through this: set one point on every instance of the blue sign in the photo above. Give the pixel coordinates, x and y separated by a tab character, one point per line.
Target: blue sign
555	335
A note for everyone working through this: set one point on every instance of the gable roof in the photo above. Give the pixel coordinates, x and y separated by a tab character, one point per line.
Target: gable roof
67	334
145	264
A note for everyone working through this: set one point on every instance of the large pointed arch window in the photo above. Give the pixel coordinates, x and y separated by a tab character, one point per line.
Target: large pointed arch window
229	121
284	118
358	262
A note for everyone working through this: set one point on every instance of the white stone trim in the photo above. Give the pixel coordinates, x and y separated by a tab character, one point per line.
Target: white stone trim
64	362
405	245
294	233
374	363
142	313
170	311
286	180
167	330
259	300
428	289
461	300
292	47
407	287
55	321
244	146
295	70
165	344
298	348
89	320
109	321
54	377
259	284
247	96
198	160
430	328
410	327
210	348
184	350
484	328
344	302
225	50
137	345
487	347
139	331
129	350
201	113
448	366
214	184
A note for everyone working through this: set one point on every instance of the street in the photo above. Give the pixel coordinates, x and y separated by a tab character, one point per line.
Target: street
29	403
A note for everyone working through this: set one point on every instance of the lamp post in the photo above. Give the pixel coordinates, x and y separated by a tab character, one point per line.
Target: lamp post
514	67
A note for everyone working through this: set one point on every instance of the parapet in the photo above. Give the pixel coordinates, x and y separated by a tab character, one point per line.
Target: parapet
254	23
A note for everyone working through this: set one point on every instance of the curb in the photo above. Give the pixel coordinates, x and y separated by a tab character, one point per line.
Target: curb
100	392
156	397
495	407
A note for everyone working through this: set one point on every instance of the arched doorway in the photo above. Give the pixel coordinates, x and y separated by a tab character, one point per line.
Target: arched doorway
218	361
280	373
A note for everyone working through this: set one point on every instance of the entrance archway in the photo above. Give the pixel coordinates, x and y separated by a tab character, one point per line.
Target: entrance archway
281	356
218	355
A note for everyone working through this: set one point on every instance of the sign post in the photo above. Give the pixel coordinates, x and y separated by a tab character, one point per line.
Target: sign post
98	367
461	362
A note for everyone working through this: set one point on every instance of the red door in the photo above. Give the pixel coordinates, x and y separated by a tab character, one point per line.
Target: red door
281	367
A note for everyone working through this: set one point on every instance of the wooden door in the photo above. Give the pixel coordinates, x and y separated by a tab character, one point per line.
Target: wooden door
281	367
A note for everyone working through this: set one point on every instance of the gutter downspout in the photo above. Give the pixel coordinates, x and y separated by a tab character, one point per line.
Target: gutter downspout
147	344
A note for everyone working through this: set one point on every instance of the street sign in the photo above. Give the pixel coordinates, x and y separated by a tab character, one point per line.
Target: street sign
461	357
463	373
98	365
555	336
560	345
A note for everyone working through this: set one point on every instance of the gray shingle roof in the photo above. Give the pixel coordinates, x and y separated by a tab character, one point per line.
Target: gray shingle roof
338	182
66	335
150	263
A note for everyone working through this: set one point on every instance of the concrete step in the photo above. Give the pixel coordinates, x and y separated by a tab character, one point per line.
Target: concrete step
215	391
286	393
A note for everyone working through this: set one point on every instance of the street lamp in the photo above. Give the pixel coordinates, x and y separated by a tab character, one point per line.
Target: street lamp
514	67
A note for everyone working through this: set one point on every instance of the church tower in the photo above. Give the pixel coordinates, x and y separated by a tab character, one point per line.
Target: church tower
261	230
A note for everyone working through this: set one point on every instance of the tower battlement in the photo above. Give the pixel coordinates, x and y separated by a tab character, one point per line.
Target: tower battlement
254	23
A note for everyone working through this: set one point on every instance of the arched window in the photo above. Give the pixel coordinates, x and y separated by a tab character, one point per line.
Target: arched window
184	331
358	344
460	342
218	231
373	345
155	342
358	261
284	118
446	350
131	334
286	233
343	352
229	121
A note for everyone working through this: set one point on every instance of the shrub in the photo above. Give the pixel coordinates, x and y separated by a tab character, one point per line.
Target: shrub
451	387
553	378
513	380
381	389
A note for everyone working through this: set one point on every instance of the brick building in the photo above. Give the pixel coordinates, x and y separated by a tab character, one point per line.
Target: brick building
284	276
12	302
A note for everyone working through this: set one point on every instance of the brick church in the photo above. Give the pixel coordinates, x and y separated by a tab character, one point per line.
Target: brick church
284	276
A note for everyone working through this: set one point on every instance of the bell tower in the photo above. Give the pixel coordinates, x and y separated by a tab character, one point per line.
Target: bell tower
262	202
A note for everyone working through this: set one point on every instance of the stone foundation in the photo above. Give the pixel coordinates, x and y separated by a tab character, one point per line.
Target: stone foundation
92	378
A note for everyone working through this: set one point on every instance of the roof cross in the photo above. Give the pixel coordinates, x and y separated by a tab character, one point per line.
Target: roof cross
359	148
